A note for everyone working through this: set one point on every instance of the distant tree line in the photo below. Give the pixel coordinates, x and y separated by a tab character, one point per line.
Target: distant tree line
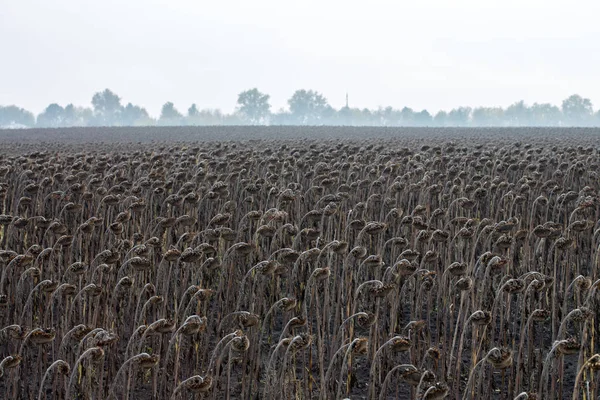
305	107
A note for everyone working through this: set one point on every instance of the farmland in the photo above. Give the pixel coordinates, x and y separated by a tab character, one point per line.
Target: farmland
299	262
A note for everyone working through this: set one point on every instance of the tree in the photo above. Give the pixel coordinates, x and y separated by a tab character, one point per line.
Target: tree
459	116
517	114
135	115
15	116
366	117
440	118
233	119
70	117
107	108
545	114
53	116
577	110
193	111
488	116
254	106
281	117
307	107
423	118
192	117
407	116
391	117
385	115
77	116
204	117
169	115
350	116
329	115
344	115
85	115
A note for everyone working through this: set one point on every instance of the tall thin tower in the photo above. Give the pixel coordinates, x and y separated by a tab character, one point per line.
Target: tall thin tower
346	99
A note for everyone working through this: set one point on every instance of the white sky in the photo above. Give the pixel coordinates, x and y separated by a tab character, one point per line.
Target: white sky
421	54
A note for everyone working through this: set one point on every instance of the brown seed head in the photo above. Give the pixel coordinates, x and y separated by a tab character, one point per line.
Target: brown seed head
514	286
437	391
500	358
105	338
287	304
400	344
248	320
463	284
366	321
140	263
11	361
147	361
190	255
193	324
457	268
358	252
539	315
568	346
240	343
481	318
42	335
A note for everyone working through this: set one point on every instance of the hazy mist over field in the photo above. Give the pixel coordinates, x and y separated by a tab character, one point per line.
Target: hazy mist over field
433	55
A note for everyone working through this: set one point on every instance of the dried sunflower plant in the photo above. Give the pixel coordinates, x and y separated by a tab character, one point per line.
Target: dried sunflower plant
422	268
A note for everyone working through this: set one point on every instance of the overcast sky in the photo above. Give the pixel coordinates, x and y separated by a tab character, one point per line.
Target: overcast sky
421	54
